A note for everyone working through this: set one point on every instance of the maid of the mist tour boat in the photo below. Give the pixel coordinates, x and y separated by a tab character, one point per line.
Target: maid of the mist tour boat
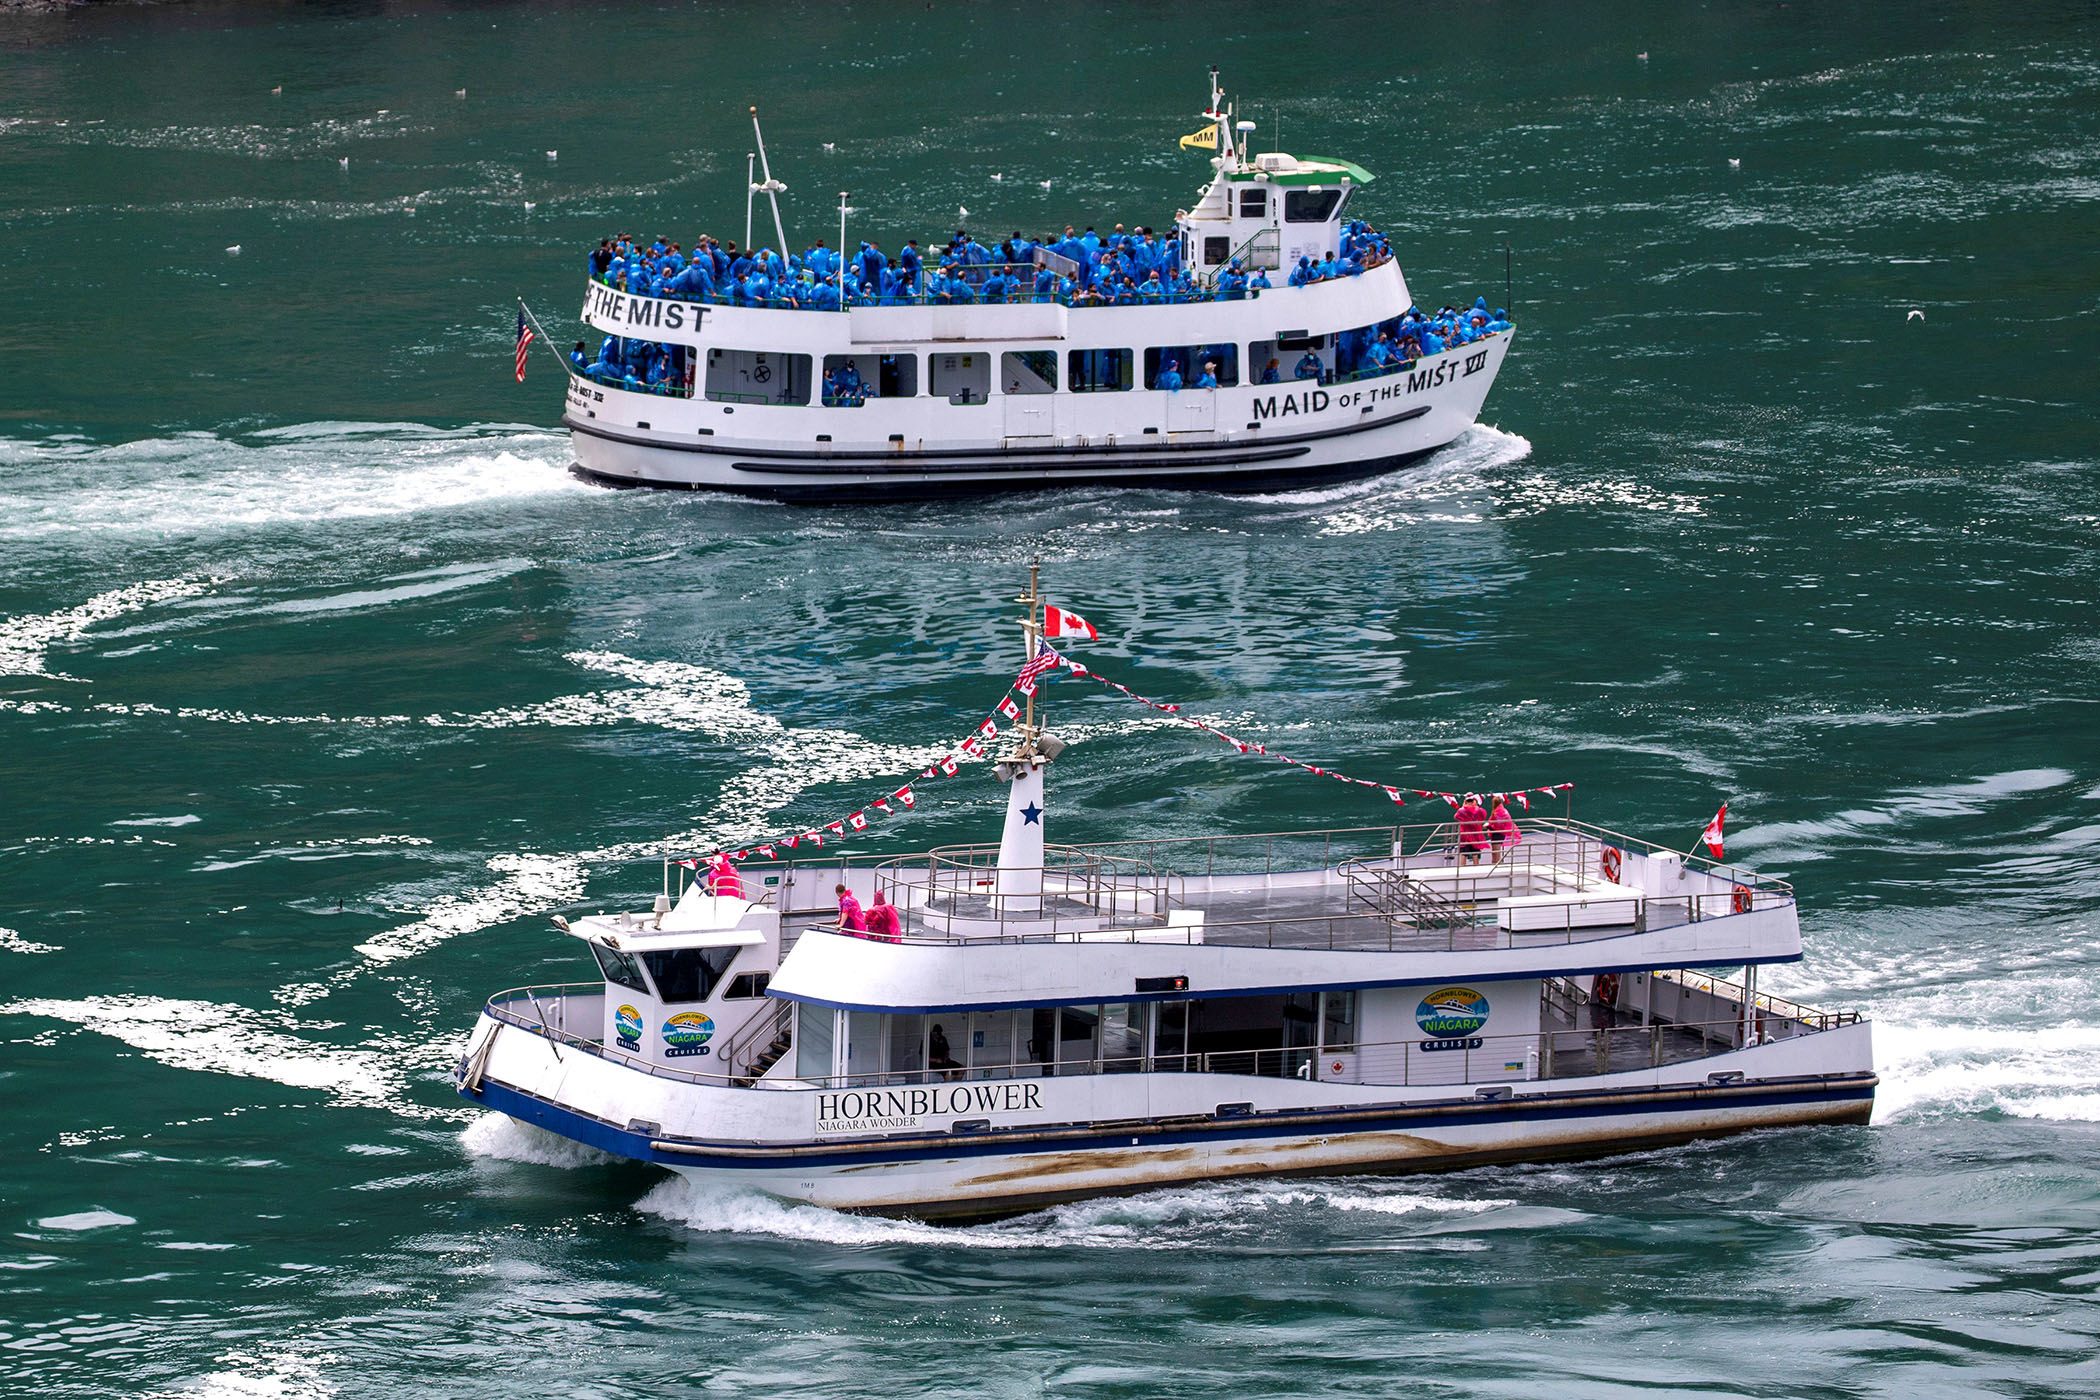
1054	373
1054	1021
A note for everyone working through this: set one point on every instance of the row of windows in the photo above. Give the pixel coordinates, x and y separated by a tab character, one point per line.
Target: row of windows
852	381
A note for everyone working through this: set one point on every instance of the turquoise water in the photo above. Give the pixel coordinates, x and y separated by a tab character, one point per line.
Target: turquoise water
322	685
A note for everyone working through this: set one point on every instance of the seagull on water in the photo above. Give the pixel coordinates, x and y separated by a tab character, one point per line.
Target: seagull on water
831	145
1734	163
236	251
1642	55
554	155
344	162
277	91
1915	314
961	212
461	93
997	176
1044	183
530	206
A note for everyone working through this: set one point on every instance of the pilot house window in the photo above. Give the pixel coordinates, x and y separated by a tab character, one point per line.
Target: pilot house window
688	974
1310	206
1254	204
1097	370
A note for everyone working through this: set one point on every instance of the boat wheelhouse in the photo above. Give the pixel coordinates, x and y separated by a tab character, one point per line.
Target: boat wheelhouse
984	375
1050	1022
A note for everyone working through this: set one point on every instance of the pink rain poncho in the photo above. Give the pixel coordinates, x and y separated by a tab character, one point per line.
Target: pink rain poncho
1503	827
1470	818
723	879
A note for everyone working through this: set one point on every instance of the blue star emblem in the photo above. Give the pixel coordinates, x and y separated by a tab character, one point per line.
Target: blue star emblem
1031	815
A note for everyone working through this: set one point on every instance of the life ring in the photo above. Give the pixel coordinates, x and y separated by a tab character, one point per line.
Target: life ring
1609	864
1739	901
1606	988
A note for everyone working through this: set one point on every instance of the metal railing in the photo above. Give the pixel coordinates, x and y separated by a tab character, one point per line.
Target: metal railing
1773	1007
775	1019
1547	1054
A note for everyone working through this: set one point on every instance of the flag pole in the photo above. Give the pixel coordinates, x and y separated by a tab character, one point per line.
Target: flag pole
1031	633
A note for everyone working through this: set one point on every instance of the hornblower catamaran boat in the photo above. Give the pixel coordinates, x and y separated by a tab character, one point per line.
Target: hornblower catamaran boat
1055	1021
964	387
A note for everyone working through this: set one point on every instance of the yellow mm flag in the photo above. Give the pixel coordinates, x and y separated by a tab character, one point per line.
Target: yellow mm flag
1206	138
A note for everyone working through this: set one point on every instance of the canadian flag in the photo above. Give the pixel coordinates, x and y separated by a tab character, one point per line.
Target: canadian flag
1008	708
906	796
1059	623
973	746
839	827
989	729
690	864
1712	835
791	842
948	765
1524	801
768	852
816	836
858	821
881	804
1394	793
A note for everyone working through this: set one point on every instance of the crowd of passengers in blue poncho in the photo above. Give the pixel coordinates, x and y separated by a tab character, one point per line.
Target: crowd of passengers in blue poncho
1135	268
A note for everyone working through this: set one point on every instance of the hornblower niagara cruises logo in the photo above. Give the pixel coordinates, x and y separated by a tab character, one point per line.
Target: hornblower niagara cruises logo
687	1033
889	1110
1450	1015
627	1027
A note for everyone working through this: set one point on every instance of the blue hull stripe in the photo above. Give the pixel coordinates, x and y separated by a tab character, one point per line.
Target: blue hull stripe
621	1142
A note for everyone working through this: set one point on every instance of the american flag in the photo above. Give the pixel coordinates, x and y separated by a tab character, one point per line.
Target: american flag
1044	661
524	339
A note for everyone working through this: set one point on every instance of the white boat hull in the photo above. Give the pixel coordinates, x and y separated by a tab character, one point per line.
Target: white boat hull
1132	1132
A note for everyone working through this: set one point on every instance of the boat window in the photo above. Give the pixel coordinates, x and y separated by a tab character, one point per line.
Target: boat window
1122	1037
991	1044
1310	206
863	1043
907	1045
1028	372
1189	361
1170	1037
814	1032
1096	370
1075	1038
1216	249
960	378
746	985
1254	204
1284	359
851	380
687	974
757	376
1338	1016
620	969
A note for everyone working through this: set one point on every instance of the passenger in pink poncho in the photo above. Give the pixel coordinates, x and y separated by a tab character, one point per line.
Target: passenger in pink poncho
723	879
851	920
1471	840
883	923
1502	830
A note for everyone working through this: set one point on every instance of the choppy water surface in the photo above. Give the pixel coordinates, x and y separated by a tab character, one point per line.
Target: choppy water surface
322	685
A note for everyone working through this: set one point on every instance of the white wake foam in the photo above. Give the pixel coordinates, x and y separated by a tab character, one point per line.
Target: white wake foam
1168	1219
202	484
503	1138
13	942
25	641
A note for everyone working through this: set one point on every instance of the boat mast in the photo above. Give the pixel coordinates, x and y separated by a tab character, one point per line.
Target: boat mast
772	188
1031	638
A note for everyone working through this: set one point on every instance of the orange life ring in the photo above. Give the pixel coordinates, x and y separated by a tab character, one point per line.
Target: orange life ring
1609	864
1739	902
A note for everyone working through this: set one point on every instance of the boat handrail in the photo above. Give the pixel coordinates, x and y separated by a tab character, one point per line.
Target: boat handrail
1525	1056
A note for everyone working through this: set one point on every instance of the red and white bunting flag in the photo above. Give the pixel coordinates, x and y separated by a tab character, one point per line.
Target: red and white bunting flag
932	773
816	836
839	827
690	864
1059	623
1026	687
1394	793
905	795
738	855
1075	667
973	746
858	821
791	841
1008	708
1310	768
948	766
1450	799
989	729
1712	835
768	852
1524	801
881	804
